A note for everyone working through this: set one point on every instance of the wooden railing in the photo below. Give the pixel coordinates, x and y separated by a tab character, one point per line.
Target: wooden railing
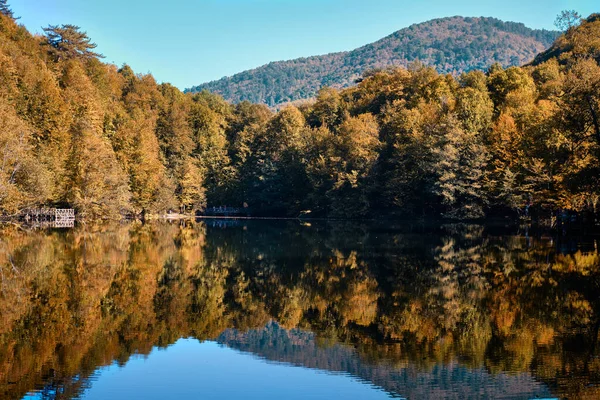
48	214
225	211
64	214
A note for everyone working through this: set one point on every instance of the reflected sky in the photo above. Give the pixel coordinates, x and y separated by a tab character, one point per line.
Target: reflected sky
211	370
208	370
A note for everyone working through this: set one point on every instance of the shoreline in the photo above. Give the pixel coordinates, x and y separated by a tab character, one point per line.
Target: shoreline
383	222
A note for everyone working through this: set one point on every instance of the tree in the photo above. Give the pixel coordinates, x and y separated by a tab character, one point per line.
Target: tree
24	181
138	150
506	147
582	103
97	184
5	9
567	19
326	110
404	166
460	167
474	108
172	129
357	149
578	120
67	41
191	189
275	172
207	118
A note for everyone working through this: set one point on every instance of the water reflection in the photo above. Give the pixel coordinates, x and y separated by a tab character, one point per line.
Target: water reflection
454	312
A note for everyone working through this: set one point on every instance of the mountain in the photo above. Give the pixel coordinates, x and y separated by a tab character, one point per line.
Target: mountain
452	45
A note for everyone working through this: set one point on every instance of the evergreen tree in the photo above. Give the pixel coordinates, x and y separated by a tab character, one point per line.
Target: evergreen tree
5	9
208	121
404	168
67	42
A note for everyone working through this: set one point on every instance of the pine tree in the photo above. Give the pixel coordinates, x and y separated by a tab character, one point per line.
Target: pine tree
5	9
67	41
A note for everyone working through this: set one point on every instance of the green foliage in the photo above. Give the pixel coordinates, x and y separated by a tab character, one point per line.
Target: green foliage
357	149
326	110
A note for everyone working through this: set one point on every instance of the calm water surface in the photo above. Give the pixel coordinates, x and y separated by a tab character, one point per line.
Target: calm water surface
281	309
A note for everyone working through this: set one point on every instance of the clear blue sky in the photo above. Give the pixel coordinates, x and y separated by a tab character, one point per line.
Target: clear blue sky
188	42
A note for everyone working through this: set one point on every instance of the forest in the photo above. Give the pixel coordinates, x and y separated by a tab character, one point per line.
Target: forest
77	132
451	45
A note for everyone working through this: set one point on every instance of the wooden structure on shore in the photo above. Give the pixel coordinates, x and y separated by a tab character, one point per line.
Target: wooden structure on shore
51	217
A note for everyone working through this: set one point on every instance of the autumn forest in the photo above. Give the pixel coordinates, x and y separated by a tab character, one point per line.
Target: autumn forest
112	143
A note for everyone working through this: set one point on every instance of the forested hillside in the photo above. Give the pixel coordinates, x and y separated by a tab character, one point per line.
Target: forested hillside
452	45
75	131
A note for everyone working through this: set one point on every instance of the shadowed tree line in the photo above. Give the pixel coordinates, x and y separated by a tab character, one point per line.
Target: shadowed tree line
402	300
404	142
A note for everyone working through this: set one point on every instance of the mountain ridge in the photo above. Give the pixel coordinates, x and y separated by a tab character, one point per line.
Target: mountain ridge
451	44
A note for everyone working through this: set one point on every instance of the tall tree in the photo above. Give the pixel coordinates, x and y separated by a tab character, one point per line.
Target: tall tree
151	188
582	103
97	185
357	150
67	41
191	191
404	168
461	163
208	120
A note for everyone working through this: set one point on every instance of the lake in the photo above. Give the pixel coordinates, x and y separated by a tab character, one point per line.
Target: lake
298	310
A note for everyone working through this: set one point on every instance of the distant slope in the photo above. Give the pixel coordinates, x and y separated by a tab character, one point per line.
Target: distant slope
452	45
